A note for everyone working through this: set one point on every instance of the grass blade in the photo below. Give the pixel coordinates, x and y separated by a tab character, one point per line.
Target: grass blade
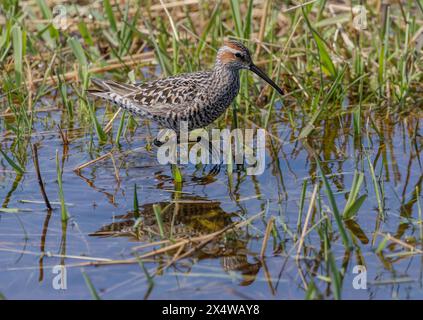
17	42
12	163
158	213
353	203
90	286
64	211
376	187
136	205
236	15
335	276
326	62
78	51
345	239
110	15
177	175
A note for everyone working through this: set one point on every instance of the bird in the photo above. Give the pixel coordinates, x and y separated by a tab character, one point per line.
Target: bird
198	98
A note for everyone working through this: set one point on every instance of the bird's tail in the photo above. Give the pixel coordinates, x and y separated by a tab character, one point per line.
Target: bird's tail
111	90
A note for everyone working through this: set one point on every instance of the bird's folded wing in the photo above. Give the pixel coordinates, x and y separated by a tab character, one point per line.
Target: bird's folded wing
172	91
156	98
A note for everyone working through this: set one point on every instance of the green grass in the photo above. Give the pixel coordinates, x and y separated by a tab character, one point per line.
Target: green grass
354	202
136	204
90	286
59	169
158	214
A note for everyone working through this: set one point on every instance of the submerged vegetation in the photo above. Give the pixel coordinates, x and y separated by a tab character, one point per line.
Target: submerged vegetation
343	179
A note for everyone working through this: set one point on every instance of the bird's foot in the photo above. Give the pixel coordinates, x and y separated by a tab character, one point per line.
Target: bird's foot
215	170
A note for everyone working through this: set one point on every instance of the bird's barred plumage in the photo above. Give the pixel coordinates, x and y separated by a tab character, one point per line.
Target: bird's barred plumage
198	98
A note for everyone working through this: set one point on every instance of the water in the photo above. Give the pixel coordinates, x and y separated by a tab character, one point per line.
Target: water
99	238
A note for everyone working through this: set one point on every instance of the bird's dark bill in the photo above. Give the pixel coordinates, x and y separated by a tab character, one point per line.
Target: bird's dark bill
262	75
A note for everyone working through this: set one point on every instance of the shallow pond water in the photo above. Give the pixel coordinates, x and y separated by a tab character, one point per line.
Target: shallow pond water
100	241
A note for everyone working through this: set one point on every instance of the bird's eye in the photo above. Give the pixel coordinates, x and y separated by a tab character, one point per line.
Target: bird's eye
239	55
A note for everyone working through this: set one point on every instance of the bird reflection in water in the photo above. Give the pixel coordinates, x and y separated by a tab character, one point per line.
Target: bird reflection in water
186	218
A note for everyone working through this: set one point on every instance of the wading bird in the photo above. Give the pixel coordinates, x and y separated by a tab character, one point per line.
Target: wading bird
198	98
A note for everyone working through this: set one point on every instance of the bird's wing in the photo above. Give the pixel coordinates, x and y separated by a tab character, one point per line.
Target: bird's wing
154	97
173	90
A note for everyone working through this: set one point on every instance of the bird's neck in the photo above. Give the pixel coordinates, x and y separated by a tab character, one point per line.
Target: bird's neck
224	81
221	89
224	70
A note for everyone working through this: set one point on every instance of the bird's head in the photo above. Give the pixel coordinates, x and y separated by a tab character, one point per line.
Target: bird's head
235	56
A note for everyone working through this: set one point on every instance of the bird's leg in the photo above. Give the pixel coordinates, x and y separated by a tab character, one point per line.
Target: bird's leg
215	153
215	169
240	167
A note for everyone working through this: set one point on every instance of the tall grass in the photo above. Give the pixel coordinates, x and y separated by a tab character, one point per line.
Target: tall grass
64	211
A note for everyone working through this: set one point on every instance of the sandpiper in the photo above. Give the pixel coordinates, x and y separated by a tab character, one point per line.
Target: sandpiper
198	98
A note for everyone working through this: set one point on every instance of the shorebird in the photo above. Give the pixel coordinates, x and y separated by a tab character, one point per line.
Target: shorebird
198	98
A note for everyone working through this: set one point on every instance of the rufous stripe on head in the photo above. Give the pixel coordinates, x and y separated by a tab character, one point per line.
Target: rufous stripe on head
231	45
226	57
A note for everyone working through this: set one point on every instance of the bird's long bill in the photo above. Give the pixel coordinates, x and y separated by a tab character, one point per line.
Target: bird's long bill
262	75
